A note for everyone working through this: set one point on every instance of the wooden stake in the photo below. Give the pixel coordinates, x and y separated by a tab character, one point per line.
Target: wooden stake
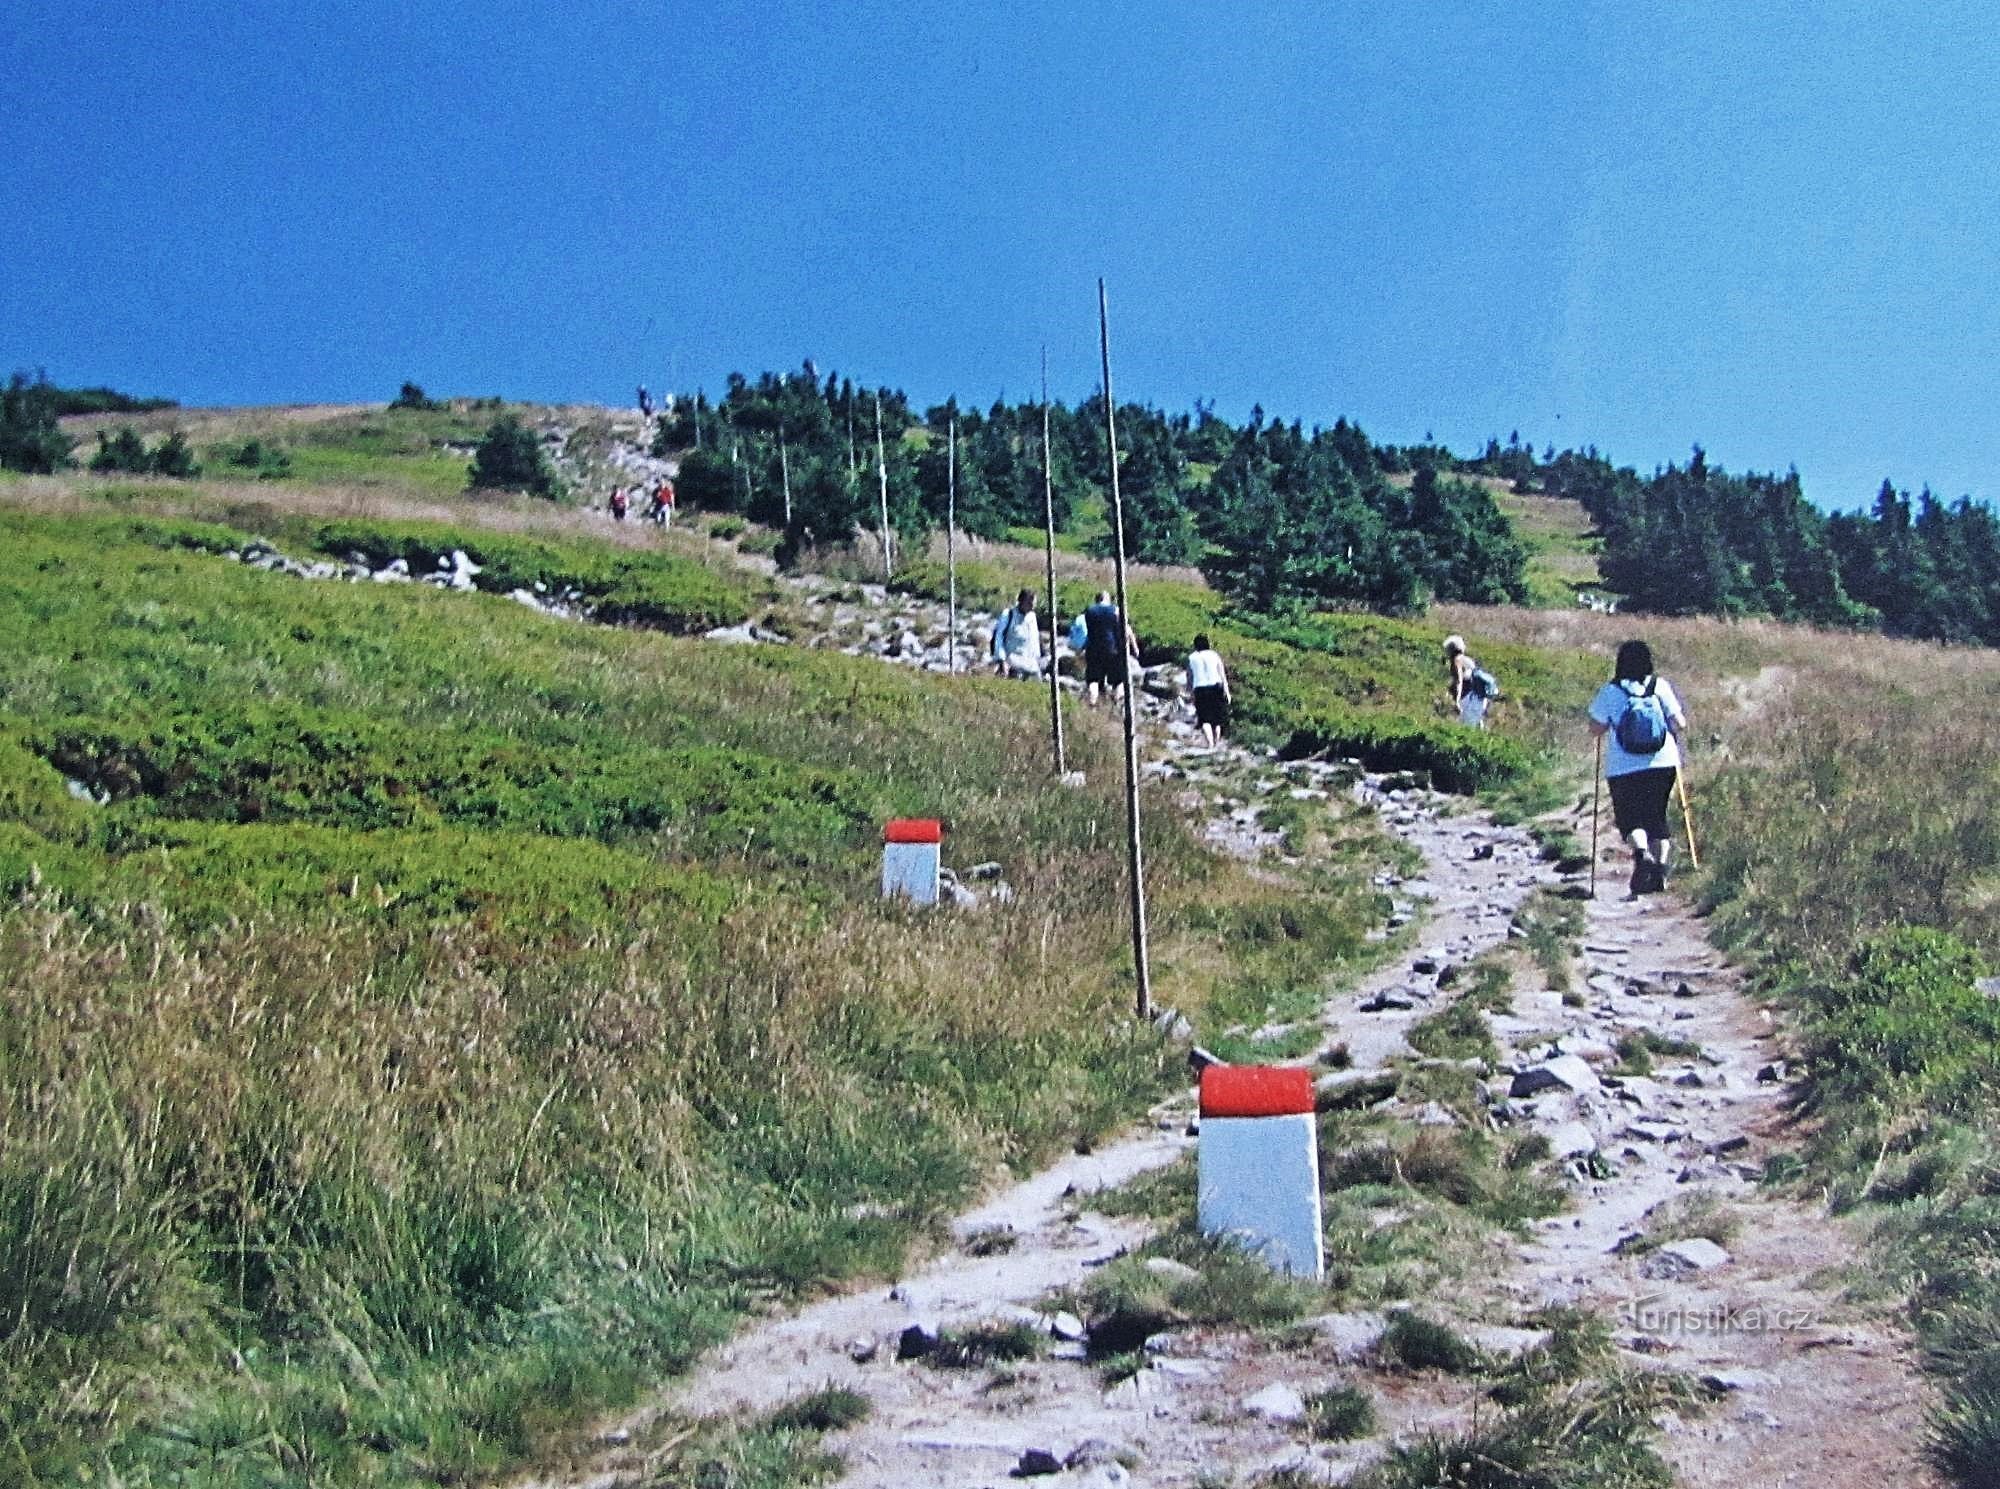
951	543
1143	994
882	479
1049	542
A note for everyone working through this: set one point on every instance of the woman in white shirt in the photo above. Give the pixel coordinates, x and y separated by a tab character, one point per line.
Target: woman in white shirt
1209	683
1640	716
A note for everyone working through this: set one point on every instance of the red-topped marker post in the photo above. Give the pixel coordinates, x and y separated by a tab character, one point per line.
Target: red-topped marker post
910	850
1259	1156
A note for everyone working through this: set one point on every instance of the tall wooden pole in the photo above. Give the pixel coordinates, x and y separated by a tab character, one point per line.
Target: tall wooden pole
1049	552
785	474
951	542
882	480
1143	995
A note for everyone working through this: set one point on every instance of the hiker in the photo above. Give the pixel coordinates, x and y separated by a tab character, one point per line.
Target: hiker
1469	695
645	402
620	503
1017	639
1642	716
663	503
1108	646
1209	682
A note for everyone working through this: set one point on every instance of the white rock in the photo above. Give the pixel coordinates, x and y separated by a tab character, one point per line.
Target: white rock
1679	1259
1572	1140
1353	1336
1277	1403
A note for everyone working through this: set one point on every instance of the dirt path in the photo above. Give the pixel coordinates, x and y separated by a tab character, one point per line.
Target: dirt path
1660	1168
1811	1388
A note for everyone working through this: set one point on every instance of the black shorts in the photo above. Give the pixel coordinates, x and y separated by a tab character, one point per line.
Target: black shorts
1211	706
1639	801
1107	668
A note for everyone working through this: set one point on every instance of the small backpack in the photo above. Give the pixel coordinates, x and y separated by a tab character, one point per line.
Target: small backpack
1483	683
1642	728
1079	632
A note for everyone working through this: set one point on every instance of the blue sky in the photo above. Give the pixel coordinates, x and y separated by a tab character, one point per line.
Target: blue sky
1770	229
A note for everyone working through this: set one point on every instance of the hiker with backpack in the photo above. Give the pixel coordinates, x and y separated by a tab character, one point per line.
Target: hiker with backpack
1110	649
1017	639
1638	716
1473	688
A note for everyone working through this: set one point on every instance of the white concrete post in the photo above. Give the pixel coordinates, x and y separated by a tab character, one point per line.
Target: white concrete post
1259	1164
910	850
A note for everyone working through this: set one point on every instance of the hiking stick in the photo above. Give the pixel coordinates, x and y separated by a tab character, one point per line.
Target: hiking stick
1596	784
1687	816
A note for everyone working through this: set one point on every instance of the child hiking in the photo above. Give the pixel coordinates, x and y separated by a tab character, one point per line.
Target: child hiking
1472	686
1638	716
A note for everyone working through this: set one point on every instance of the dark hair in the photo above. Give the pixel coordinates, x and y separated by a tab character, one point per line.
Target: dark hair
1025	599
1635	662
1201	641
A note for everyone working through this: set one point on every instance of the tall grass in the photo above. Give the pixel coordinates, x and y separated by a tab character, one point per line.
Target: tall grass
362	1125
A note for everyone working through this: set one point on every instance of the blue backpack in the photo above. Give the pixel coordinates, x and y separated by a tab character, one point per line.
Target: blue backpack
1642	728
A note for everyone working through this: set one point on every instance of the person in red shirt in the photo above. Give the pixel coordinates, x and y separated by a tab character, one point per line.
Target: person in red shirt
663	503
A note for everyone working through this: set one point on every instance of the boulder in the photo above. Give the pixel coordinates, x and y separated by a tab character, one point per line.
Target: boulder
1036	1462
1277	1403
1682	1259
1565	1073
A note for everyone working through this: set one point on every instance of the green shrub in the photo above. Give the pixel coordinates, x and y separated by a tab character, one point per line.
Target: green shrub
826	1410
281	763
124	451
1340	1414
411	396
1418	1343
1459	1032
525	885
510	458
30	438
269	462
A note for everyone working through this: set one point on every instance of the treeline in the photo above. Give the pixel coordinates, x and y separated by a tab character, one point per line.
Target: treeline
31	440
1695	540
1272	513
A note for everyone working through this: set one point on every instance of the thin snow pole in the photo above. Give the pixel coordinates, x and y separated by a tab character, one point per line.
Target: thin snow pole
1049	548
1143	994
785	474
882	479
951	543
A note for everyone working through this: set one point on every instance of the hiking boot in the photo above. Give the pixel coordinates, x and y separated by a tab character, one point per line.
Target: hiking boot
1647	877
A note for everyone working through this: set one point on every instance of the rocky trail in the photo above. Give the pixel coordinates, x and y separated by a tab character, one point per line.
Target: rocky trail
1667	1233
1805	1385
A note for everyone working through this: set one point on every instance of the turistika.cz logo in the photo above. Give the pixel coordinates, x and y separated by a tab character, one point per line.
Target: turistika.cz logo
1656	1314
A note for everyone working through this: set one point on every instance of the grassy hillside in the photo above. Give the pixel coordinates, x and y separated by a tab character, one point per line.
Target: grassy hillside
441	1019
452	1017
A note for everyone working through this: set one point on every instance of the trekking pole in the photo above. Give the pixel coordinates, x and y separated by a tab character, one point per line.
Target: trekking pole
1687	816
1596	783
